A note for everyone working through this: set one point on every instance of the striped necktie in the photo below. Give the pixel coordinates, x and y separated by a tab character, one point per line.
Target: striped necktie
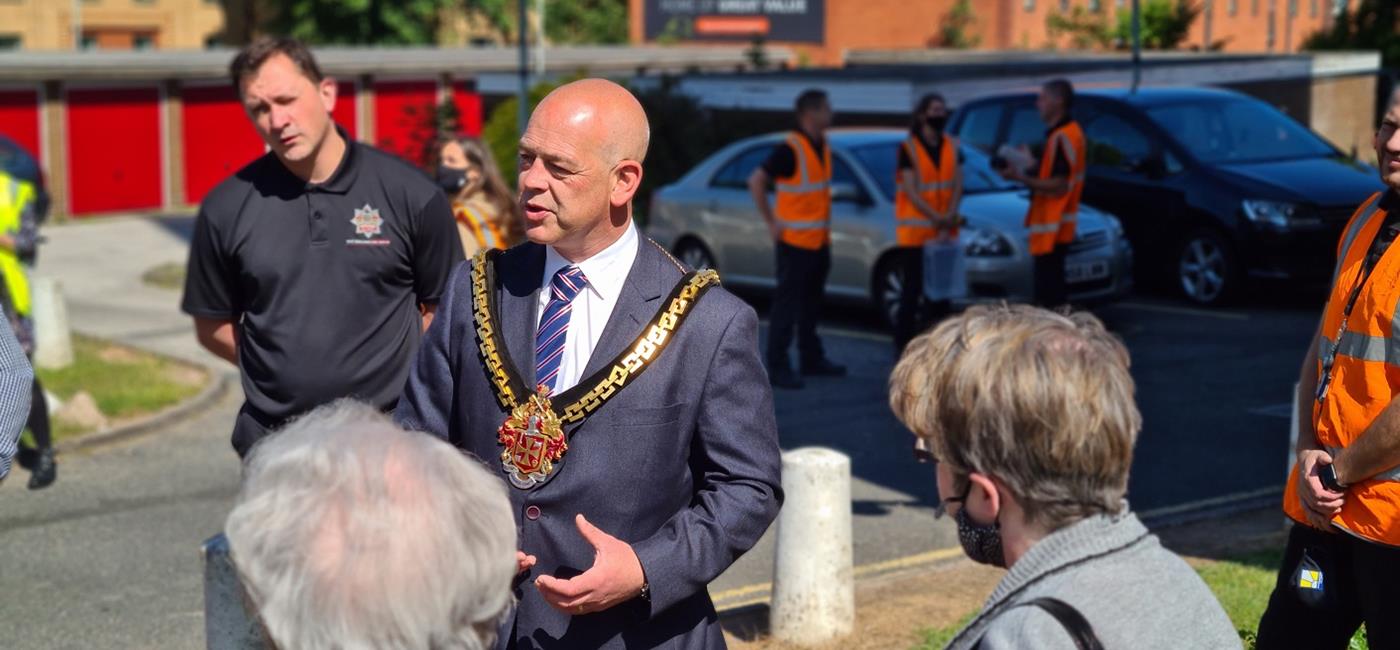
554	324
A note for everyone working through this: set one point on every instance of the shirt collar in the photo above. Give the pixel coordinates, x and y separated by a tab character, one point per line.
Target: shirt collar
1390	201
1058	125
606	271
344	175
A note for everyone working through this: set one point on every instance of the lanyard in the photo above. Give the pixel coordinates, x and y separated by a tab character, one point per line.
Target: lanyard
1330	360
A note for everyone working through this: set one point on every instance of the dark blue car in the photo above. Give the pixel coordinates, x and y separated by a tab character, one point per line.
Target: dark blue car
1213	187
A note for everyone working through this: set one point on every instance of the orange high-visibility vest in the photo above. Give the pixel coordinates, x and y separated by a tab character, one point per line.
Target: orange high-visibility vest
485	232
1361	353
1053	219
936	183
804	199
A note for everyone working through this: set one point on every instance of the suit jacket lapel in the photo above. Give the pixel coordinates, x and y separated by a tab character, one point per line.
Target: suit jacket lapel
519	307
635	306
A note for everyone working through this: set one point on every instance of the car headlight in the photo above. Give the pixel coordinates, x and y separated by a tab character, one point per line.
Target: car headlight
1279	215
1114	225
985	243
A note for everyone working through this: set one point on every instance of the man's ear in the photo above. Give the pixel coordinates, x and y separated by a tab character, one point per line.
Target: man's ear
328	90
627	178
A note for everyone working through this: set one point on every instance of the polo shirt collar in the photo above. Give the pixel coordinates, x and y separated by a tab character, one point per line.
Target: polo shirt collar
343	178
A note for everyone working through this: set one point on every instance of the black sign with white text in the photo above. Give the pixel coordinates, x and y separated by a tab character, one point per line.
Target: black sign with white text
801	21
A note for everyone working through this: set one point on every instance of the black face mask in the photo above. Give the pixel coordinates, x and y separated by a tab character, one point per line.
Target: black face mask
937	122
451	179
982	544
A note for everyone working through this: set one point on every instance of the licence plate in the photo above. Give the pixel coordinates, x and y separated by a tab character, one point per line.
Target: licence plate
1086	271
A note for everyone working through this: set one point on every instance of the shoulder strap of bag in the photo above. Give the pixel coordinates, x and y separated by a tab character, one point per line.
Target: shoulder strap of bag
1074	623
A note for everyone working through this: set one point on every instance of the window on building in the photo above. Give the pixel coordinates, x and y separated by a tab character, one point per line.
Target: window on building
142	41
213	41
1028	4
1095	5
89	42
10	41
1232	7
1292	8
1254	7
1064	5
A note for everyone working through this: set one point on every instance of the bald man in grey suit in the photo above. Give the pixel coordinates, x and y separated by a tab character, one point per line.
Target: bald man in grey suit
669	475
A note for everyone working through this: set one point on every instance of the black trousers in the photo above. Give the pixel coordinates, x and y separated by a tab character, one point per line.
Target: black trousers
1049	271
914	313
797	303
39	417
1361	581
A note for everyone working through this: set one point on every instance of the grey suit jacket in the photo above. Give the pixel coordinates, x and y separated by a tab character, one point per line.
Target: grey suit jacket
683	463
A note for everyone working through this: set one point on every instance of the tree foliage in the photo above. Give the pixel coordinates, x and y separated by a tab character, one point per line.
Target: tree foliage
586	22
1165	23
359	22
1086	29
1370	26
953	30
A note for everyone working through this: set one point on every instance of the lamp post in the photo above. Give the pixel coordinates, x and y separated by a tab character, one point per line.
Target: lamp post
521	29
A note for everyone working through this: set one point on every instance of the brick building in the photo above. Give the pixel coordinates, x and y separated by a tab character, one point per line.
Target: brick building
109	24
826	29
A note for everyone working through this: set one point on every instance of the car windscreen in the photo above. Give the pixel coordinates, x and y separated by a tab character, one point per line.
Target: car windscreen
1237	130
880	159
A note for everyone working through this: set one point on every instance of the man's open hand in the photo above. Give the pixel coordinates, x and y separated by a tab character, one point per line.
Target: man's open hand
615	577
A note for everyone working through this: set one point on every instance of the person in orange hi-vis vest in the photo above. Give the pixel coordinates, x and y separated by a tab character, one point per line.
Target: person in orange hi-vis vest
929	181
799	170
1342	563
1055	191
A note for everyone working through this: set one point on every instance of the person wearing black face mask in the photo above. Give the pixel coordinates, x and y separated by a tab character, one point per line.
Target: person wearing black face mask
1039	463
929	181
482	205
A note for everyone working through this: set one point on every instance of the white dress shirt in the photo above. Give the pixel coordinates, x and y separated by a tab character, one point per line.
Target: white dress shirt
606	272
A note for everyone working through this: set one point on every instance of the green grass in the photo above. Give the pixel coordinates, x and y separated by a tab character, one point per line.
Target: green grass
125	383
1242	584
165	276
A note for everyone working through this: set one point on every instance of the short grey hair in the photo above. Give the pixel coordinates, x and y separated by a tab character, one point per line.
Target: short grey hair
1041	400
351	533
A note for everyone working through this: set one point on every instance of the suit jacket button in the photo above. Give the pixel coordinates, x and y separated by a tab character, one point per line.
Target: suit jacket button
532	513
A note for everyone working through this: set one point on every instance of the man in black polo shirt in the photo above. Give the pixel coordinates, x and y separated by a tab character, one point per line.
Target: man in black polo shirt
316	267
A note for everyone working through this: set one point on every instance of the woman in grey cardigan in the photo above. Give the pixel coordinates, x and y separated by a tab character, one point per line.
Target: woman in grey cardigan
1030	418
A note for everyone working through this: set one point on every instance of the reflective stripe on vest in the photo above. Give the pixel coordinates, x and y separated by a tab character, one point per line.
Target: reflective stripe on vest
1045	220
15	196
1359	366
936	183
804	199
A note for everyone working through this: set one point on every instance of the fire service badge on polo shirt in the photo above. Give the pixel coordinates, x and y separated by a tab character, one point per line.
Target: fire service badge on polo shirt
369	225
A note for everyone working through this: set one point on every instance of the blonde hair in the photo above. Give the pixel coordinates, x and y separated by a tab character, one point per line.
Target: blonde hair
1040	400
352	533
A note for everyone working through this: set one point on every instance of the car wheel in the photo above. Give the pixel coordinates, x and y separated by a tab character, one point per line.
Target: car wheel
1205	268
885	289
694	254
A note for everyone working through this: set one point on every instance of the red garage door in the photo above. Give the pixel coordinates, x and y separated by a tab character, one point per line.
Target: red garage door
345	113
216	137
114	143
468	104
19	119
404	113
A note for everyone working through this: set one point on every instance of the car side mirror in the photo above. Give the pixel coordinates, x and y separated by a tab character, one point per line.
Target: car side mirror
849	193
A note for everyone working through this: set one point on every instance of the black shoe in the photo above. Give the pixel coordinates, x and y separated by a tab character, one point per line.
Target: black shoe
45	471
783	377
823	368
26	457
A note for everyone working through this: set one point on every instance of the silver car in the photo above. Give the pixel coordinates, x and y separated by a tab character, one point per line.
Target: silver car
708	220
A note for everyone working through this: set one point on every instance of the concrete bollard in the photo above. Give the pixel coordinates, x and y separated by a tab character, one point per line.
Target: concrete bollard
228	625
813	577
53	341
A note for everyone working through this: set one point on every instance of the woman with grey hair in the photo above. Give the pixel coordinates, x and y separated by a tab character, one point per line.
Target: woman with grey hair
1029	416
351	533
